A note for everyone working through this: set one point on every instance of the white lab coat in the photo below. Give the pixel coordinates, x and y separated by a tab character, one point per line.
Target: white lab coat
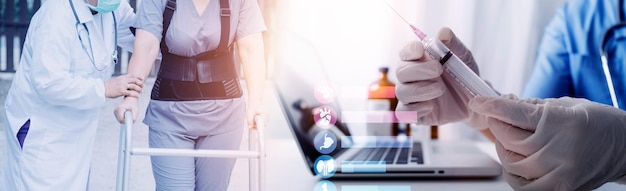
58	88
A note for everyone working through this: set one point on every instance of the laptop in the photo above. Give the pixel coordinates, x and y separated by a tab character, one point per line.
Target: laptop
367	156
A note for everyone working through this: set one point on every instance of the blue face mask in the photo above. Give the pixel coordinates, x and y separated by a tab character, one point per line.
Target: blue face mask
105	6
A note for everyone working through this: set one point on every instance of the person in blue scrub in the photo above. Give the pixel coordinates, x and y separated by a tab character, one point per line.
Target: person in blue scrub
569	63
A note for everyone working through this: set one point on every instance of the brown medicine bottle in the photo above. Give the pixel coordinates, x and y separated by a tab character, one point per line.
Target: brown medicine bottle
382	97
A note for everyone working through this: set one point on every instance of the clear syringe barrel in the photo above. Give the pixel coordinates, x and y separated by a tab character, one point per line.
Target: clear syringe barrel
457	70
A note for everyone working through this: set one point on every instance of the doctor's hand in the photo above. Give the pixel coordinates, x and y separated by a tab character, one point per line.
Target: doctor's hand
124	85
129	103
556	144
422	88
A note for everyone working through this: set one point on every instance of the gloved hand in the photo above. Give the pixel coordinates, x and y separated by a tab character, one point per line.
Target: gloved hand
424	87
556	144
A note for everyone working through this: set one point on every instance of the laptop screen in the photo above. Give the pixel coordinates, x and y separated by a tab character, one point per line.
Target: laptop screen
295	87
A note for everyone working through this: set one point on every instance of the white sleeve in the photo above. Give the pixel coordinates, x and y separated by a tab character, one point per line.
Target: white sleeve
50	40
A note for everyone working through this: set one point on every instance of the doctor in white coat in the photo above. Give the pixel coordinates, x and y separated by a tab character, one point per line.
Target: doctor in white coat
59	89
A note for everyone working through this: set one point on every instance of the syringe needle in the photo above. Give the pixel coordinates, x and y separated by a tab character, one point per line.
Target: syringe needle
417	31
395	11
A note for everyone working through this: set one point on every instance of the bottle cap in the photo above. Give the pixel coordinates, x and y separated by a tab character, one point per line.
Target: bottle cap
383	69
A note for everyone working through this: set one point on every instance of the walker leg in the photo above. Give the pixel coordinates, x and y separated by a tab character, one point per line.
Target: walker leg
128	121
120	159
261	165
251	166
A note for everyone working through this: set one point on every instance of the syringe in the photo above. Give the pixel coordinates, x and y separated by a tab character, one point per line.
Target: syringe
453	66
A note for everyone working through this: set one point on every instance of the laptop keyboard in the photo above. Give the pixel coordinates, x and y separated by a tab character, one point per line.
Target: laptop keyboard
389	153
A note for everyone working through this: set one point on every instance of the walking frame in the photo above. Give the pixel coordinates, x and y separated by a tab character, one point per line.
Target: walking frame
126	150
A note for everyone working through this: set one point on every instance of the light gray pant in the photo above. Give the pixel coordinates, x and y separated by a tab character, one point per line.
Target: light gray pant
173	173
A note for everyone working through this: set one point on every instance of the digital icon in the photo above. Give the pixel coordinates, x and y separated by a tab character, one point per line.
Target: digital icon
324	93
325	185
325	166
325	116
325	142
